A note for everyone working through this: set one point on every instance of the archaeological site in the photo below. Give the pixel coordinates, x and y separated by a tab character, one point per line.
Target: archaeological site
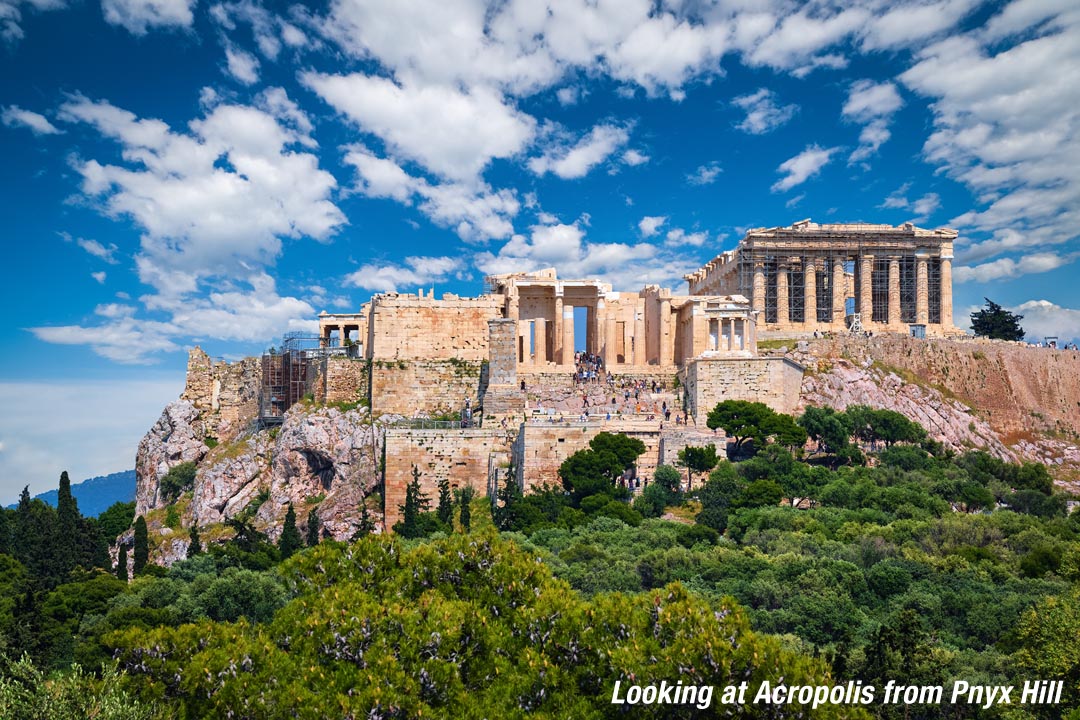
524	374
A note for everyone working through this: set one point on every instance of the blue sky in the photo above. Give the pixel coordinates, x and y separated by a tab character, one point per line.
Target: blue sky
182	171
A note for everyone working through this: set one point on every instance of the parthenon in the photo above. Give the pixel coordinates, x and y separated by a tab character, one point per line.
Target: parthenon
833	277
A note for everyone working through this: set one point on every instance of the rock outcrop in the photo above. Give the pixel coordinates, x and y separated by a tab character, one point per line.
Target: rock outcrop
178	436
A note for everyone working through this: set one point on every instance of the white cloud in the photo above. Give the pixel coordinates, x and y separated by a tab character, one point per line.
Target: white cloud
650	224
269	30
1006	123
796	40
139	16
98	250
680	238
1043	318
570	162
242	65
416	273
763	113
872	105
802	167
923	207
37	442
474	211
908	24
1005	268
15	116
11	15
99	276
705	174
568	95
634	158
450	131
792	202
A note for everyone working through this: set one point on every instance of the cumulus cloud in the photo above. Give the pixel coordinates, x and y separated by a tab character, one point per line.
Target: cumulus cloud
270	31
1043	318
802	167
650	224
416	272
11	12
242	65
872	105
450	131
923	207
99	277
15	116
1006	268
633	157
678	237
705	174
576	160
763	112
140	16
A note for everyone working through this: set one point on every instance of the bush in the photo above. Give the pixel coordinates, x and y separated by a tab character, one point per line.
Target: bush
179	478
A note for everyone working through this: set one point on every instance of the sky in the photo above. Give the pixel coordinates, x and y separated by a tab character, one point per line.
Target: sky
182	172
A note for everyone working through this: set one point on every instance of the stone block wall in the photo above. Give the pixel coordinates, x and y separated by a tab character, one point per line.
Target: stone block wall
423	387
409	327
773	381
346	379
461	455
226	395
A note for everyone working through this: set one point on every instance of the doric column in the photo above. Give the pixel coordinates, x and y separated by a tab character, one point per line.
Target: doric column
757	302
810	291
894	292
922	291
866	292
567	334
641	358
341	336
540	335
557	333
946	290
783	314
611	356
666	335
839	291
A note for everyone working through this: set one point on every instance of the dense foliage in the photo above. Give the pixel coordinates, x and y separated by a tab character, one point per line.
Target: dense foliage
993	321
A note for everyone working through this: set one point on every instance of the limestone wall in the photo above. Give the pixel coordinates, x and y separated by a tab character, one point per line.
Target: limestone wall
226	395
773	381
409	327
346	379
423	387
461	455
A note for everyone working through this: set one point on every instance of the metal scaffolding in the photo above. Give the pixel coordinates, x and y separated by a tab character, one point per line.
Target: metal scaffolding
289	375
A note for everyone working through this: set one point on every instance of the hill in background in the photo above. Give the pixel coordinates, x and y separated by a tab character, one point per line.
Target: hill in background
95	495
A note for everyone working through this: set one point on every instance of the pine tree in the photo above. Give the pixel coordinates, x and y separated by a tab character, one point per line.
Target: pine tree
367	524
5	532
290	540
141	552
121	563
415	504
195	546
313	528
995	322
445	510
465	496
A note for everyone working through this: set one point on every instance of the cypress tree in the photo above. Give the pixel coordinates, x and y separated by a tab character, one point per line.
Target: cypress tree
121	563
141	552
290	540
445	510
313	528
67	529
195	546
509	495
465	496
367	525
415	504
5	532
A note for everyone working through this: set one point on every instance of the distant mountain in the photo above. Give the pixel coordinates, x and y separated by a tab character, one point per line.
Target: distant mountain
96	494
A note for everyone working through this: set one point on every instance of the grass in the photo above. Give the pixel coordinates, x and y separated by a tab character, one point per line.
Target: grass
775	344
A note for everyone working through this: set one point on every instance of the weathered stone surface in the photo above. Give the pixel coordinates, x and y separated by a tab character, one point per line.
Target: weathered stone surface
177	437
947	420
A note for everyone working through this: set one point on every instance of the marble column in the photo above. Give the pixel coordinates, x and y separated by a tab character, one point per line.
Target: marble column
894	292
783	313
540	333
810	291
641	358
839	292
666	335
922	291
341	335
568	334
946	291
557	332
866	292
758	301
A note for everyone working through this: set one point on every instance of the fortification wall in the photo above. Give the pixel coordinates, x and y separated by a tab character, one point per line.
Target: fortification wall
773	381
460	455
226	395
346	379
413	328
423	387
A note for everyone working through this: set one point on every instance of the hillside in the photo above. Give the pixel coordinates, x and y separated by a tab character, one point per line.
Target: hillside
96	494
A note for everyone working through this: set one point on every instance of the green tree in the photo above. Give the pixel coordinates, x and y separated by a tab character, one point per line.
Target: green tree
141	553
313	528
626	449
366	524
194	547
508	503
995	322
178	479
67	528
445	509
416	503
290	540
116	519
122	563
743	420
697	459
464	497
